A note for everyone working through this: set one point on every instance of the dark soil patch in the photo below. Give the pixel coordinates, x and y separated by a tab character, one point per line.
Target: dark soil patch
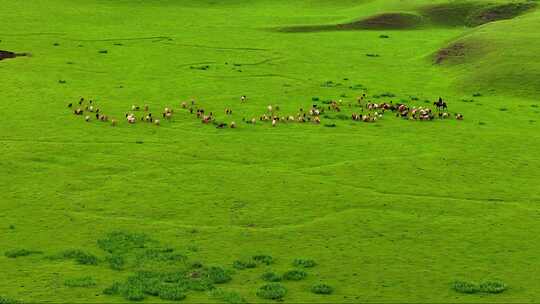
386	21
450	14
458	52
473	14
499	12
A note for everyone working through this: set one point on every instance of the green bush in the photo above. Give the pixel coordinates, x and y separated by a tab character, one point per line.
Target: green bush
4	300
322	289
229	297
80	282
81	257
15	253
120	241
272	291
218	275
271	277
294	275
244	264
263	259
305	263
116	262
114	289
465	287
172	293
492	287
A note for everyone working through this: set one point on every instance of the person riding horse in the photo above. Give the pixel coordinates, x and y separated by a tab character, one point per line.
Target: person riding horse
441	105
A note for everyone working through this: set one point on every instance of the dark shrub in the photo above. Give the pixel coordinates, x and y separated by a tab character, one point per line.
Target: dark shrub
306	263
15	253
120	241
465	287
492	287
271	277
114	289
4	300
80	282
322	289
79	256
314	98
244	264
172	293
263	259
218	275
116	262
229	297
272	291
294	275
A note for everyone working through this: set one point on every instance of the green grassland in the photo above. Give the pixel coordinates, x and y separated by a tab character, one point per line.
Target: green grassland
394	211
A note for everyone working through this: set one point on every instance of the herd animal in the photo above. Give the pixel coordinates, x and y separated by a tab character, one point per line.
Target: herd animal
370	112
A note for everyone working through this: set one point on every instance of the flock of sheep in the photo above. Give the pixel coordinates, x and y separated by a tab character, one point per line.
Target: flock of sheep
367	112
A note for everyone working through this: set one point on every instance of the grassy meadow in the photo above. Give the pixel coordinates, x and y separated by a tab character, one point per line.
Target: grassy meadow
394	211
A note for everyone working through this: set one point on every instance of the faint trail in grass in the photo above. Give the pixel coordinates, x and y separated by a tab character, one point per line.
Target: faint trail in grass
195	63
256	76
155	38
219	47
261	62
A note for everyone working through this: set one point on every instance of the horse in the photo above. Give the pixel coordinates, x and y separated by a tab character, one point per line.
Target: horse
441	105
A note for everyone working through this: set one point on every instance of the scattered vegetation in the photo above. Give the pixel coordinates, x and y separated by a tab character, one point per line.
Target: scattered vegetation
80	256
229	297
5	300
122	242
263	259
272	291
493	287
305	263
80	282
271	277
294	275
322	289
15	253
244	264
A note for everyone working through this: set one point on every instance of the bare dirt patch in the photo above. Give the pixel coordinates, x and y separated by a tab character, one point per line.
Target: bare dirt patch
472	14
500	12
459	52
386	21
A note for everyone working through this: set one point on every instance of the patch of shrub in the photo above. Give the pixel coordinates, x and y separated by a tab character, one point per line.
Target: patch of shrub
294	275
200	285
414	98
314	98
4	300
343	95
534	106
62	81
116	262
322	289
159	255
482	123
388	94
103	52
492	287
81	257
121	242
271	277
15	253
465	287
172	293
263	259
373	55
477	95
80	282
305	263
503	109
218	275
332	125
229	297
384	36
114	289
272	291
244	264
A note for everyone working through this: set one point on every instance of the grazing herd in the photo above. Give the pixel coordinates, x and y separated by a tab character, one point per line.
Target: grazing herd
368	112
